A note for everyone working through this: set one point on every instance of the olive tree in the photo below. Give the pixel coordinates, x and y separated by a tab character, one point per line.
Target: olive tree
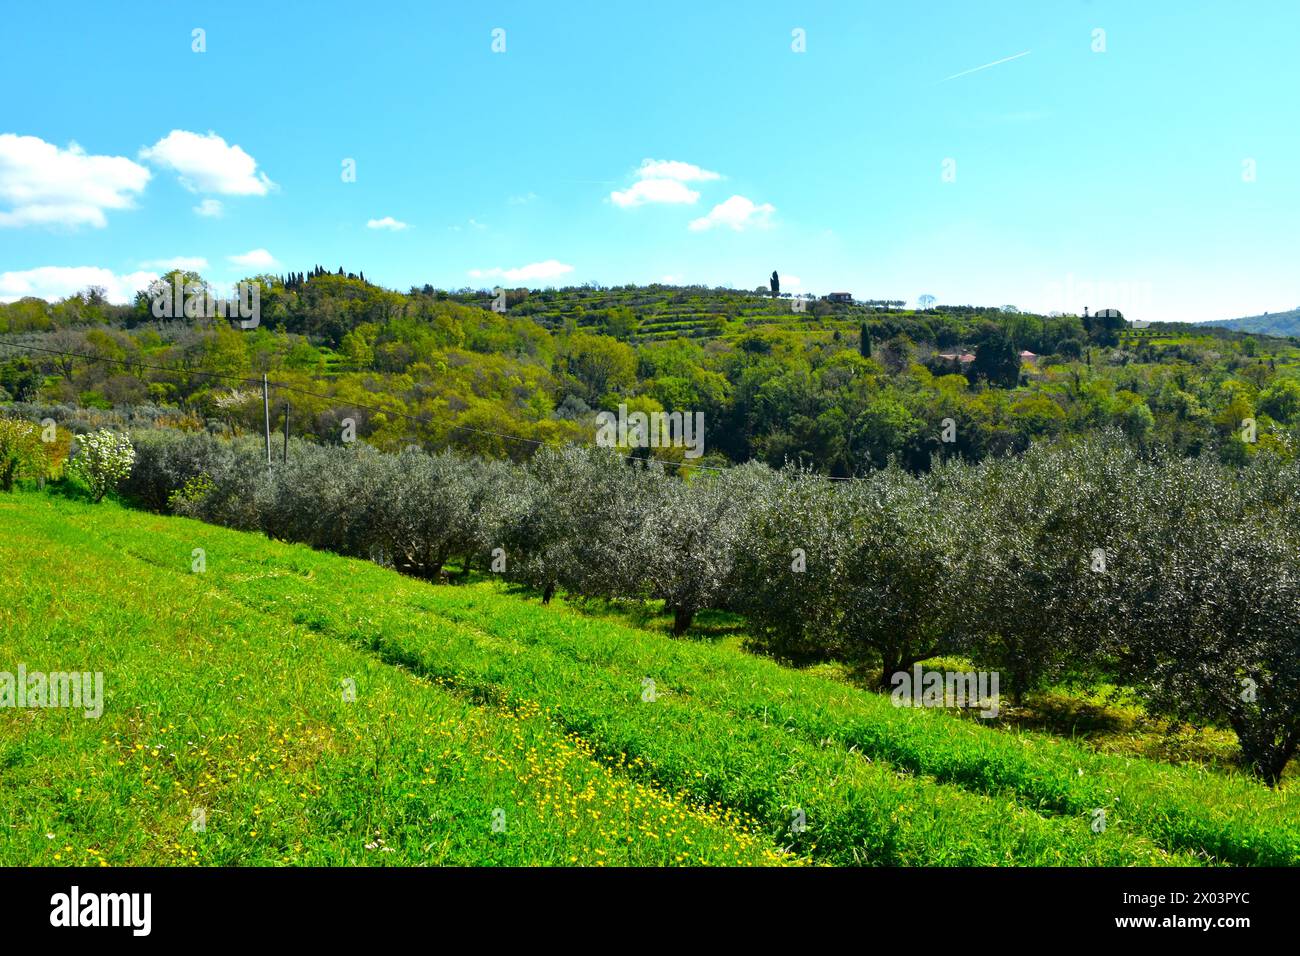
1043	535
866	572
1213	611
428	508
692	535
325	496
783	568
166	460
569	522
491	488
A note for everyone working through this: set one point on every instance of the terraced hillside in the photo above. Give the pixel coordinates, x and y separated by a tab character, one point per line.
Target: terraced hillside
487	729
657	312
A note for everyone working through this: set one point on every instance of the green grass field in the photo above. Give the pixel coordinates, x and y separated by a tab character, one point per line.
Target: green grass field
488	729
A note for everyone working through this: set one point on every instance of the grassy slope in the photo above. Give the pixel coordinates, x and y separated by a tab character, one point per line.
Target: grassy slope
736	733
213	706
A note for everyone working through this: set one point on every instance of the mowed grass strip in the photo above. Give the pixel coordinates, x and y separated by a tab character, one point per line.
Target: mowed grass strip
686	741
1228	817
212	707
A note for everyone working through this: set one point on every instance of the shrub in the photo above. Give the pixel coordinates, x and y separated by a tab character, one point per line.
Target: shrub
166	460
101	460
191	495
21	452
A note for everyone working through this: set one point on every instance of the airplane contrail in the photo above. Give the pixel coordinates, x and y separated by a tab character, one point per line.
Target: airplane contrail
1005	59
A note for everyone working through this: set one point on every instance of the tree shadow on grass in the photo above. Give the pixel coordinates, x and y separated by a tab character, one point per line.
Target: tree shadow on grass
1066	715
70	490
645	615
1098	716
1109	721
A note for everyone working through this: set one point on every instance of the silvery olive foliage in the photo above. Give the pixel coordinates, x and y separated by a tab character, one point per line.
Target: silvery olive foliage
1211	607
165	460
788	531
1178	577
428	508
881	583
574	521
691	537
325	496
223	486
1044	536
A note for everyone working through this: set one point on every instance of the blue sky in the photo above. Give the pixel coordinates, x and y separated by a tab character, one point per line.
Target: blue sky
1166	168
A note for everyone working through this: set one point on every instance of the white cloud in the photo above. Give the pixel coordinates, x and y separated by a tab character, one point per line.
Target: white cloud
654	190
48	186
549	269
737	212
209	207
256	258
207	164
58	282
188	263
791	282
522	200
388	222
673	169
663	181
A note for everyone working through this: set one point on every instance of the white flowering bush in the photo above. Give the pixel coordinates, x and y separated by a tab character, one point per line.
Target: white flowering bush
103	458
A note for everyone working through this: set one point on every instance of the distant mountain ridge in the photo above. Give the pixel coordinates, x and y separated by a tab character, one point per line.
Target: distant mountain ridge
1270	323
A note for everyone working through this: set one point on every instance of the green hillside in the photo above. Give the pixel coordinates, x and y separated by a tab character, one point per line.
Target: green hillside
1270	323
597	741
839	387
658	312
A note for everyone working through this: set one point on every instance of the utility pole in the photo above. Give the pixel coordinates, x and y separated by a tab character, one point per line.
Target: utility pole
266	412
286	433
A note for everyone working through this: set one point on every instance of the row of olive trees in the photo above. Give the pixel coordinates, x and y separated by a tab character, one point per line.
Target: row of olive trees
1178	577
